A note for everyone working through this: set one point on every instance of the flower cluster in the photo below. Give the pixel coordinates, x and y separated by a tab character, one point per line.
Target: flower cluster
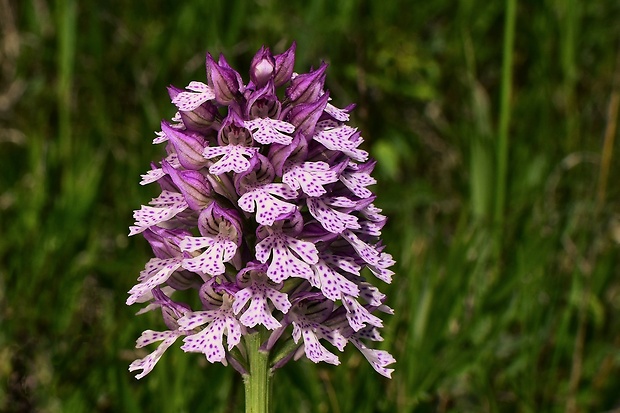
266	214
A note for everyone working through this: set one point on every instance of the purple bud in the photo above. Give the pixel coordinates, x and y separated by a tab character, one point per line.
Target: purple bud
262	67
306	115
202	118
308	86
165	242
278	154
192	184
284	66
223	80
224	63
188	146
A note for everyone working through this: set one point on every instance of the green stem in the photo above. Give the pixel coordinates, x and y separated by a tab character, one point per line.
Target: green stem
258	381
504	120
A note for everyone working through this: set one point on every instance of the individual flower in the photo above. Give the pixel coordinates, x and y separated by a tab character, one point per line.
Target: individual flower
235	147
218	321
288	256
221	235
260	291
171	312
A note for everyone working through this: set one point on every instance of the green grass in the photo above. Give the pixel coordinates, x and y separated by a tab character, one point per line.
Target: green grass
530	327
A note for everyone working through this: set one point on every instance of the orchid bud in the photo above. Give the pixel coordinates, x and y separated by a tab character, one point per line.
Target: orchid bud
262	67
202	119
305	115
192	184
187	146
285	63
223	80
307	87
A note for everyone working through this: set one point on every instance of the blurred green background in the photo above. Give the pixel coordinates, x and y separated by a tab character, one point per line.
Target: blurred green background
501	187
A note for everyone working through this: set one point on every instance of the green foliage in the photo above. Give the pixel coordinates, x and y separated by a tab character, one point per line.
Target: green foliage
533	328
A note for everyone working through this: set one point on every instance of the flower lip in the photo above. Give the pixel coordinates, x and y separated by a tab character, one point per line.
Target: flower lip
198	94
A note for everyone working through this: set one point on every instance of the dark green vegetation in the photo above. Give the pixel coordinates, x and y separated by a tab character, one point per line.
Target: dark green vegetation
507	293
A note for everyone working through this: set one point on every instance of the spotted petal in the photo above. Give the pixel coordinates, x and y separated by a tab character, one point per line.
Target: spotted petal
152	176
309	176
218	251
336	113
209	340
161	137
268	207
357	182
259	312
331	219
378	359
167	205
340	137
332	284
313	348
284	263
268	131
147	363
234	158
358	315
187	101
157	272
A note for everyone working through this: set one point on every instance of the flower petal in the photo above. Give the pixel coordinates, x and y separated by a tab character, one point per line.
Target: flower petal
268	131
268	207
147	363
187	101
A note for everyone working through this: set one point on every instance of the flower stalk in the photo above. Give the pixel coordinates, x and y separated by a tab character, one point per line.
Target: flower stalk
258	381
